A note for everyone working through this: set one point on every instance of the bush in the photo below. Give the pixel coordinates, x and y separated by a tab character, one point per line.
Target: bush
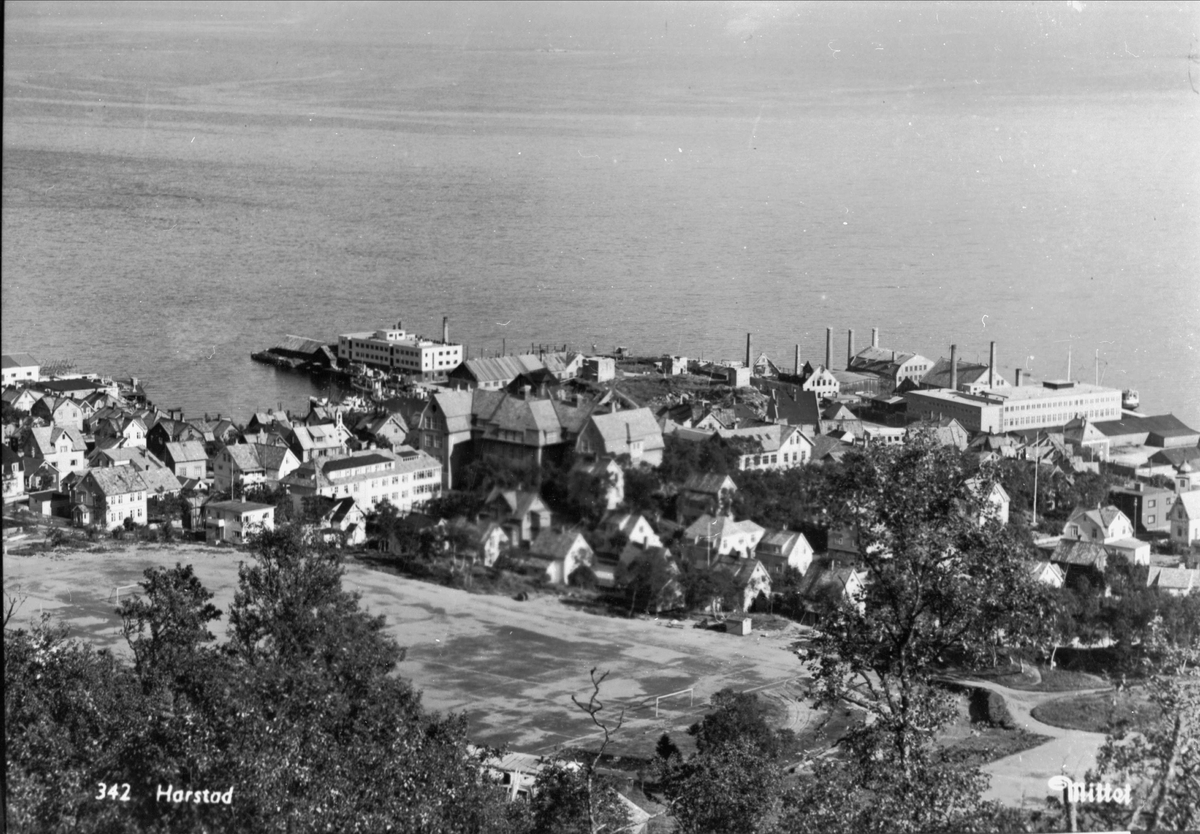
988	707
582	577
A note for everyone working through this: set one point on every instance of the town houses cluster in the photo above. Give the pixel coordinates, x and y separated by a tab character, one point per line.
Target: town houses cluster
95	452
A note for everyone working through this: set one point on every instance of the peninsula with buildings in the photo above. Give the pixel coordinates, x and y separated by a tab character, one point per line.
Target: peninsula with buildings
661	487
418	415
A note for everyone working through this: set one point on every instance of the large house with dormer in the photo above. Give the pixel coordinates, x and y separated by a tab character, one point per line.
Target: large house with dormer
107	497
634	432
709	537
63	448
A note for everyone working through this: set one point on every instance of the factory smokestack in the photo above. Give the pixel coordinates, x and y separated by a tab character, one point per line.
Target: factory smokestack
992	367
874	337
748	360
1020	373
446	330
953	367
828	348
849	347
797	371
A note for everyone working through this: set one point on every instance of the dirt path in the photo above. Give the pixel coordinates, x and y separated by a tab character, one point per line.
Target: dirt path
1020	779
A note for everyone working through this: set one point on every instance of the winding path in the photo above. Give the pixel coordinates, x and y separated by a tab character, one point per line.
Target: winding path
1021	778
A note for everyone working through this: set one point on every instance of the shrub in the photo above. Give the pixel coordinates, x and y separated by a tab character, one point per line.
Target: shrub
582	577
988	707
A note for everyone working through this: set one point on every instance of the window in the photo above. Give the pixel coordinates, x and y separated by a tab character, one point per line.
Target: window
1152	502
1150	519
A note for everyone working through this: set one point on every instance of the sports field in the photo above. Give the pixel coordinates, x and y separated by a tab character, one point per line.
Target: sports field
510	666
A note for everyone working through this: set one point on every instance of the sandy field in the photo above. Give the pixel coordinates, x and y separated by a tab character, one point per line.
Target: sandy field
510	666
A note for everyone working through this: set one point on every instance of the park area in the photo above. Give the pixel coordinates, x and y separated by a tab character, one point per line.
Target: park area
511	666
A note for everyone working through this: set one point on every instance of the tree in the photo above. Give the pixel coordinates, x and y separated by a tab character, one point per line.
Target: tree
300	713
734	780
941	581
1161	763
570	797
167	627
645	580
871	791
729	789
741	717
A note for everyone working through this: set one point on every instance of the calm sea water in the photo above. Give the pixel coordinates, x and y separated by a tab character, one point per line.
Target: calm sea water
174	199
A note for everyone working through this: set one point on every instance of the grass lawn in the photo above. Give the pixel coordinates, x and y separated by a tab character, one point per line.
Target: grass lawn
1037	678
987	744
1094	712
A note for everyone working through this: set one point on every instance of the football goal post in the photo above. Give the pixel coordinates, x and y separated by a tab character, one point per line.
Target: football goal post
689	692
116	592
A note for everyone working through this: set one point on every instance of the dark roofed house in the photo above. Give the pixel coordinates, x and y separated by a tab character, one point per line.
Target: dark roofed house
522	430
1076	555
560	553
704	494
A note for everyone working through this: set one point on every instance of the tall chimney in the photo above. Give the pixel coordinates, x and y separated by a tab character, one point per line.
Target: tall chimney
828	348
874	337
797	371
748	360
992	367
1020	373
446	330
849	347
953	367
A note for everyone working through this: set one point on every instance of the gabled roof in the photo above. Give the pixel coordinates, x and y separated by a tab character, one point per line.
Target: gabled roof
186	450
1190	502
939	375
620	428
556	544
510	413
45	439
299	344
455	407
780	541
1176	457
1165	425
270	457
721	527
159	479
244	456
1038	569
818	578
796	408
17	360
1078	552
117	480
1173	579
1103	517
519	503
825	446
708	484
745	571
